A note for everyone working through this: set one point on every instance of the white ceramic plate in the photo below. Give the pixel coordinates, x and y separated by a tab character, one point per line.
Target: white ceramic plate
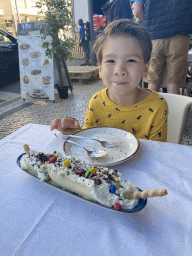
127	145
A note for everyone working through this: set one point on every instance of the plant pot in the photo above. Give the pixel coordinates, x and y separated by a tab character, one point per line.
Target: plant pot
63	92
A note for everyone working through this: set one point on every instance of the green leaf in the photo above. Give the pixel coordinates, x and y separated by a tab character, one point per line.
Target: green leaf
57	15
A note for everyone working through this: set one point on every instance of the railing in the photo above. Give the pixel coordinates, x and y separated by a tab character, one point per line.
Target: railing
77	51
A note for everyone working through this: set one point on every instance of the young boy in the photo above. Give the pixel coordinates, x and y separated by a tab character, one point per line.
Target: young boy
123	52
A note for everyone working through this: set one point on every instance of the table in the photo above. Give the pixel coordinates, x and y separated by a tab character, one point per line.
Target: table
38	220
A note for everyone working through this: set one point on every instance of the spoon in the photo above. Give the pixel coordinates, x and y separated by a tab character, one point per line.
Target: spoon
91	153
103	142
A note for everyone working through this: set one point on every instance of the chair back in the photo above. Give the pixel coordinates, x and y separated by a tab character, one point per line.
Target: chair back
178	106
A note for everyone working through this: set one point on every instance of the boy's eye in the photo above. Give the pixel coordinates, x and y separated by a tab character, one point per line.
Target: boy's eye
110	61
131	60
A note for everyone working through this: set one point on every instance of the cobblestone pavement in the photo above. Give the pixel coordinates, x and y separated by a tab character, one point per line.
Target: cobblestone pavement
19	113
16	113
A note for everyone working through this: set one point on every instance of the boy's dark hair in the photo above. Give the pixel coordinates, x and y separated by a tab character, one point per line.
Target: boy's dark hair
124	27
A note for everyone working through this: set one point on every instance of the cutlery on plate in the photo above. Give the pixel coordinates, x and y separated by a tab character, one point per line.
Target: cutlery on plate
91	153
103	142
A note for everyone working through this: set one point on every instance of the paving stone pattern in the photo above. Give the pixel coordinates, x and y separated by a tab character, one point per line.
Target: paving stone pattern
18	113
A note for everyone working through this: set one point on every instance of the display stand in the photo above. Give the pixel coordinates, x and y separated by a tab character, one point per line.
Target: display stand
38	73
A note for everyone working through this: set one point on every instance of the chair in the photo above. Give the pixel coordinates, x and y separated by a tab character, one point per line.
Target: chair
179	106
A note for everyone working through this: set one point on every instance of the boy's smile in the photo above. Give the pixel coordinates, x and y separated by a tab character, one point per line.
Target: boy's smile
122	68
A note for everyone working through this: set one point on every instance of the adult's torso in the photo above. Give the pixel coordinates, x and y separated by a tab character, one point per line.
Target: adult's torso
117	9
165	18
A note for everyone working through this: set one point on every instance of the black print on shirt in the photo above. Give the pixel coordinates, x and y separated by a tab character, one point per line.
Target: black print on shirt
139	117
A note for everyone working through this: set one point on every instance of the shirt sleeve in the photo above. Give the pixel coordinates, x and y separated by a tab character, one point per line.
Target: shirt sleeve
89	119
159	127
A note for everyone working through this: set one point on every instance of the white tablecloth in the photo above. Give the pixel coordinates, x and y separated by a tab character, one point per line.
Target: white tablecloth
36	219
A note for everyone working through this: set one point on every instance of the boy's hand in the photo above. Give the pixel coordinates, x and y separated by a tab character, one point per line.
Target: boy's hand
64	124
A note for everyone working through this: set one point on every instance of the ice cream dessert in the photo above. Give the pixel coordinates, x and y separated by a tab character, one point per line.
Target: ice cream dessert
99	184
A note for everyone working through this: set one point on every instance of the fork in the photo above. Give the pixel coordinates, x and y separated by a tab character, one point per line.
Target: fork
103	142
91	153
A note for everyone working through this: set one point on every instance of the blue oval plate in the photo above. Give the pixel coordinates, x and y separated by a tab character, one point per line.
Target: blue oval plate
142	202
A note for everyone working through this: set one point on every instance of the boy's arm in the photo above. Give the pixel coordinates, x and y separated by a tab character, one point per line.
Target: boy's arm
138	9
91	115
88	121
159	127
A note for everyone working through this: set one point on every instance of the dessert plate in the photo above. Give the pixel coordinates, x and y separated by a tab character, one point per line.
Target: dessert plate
142	202
127	145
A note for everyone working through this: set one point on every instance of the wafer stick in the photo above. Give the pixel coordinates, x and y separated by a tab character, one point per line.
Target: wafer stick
27	149
145	194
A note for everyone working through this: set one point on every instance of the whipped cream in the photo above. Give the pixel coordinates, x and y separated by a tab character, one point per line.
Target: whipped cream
99	181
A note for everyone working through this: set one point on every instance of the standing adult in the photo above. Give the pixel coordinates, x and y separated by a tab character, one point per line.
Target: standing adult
169	23
84	35
117	9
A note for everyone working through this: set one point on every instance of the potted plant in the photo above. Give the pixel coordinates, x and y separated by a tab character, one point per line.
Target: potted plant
58	15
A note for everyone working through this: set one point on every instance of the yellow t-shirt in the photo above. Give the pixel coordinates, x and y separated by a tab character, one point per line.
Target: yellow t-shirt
146	119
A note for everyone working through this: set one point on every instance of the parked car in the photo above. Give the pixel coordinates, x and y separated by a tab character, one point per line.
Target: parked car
9	58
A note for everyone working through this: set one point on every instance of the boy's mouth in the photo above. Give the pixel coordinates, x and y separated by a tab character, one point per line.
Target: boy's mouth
118	83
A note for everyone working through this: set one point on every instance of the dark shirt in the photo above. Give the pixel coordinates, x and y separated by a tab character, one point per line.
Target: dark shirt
117	9
166	18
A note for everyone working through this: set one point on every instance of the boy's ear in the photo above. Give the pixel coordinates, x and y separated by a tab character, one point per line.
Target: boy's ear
100	72
146	70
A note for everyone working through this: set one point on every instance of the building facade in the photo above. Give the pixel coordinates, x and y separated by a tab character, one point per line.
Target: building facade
13	12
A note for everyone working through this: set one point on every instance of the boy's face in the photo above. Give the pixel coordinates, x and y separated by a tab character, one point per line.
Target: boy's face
122	65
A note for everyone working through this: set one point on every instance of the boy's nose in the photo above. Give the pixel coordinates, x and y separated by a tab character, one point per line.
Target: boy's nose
120	71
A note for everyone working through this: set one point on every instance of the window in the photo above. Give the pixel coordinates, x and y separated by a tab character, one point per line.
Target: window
4	41
20	3
8	25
